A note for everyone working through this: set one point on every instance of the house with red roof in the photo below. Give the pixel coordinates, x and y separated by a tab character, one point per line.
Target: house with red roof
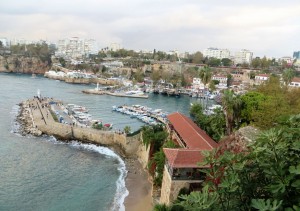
182	167
295	82
260	78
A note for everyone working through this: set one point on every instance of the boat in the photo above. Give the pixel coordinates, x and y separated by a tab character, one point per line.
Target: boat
33	75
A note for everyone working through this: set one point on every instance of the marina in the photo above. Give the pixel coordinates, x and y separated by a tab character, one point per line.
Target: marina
72	114
143	113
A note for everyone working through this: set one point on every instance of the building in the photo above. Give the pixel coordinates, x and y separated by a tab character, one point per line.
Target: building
197	84
216	53
295	82
76	48
221	78
115	46
243	57
182	164
289	60
296	55
4	41
260	78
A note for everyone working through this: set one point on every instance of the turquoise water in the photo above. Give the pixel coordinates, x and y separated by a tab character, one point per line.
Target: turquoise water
41	173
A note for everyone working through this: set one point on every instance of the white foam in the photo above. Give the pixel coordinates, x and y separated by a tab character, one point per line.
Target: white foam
122	191
15	125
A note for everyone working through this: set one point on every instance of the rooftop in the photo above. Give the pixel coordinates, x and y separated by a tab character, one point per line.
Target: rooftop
296	79
191	134
183	158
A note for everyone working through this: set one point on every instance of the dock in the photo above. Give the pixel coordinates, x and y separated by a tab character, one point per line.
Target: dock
116	94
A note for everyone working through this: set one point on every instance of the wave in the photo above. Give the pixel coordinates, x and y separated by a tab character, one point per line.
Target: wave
15	125
121	192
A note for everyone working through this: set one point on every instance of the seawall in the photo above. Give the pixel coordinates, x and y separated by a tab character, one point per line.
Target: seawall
102	81
43	121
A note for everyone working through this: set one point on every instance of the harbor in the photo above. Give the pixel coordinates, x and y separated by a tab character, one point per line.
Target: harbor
143	113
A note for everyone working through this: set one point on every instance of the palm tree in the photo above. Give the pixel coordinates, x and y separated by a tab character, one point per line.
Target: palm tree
232	106
288	75
205	76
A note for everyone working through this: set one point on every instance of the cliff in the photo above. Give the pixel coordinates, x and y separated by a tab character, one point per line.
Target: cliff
22	64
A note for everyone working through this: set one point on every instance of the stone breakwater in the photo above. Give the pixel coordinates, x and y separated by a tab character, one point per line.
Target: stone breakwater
36	119
102	81
25	119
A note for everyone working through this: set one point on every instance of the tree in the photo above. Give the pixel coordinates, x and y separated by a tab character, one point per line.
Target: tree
127	129
252	101
155	76
288	75
226	62
62	61
232	106
229	79
214	62
252	75
214	124
256	62
197	58
205	75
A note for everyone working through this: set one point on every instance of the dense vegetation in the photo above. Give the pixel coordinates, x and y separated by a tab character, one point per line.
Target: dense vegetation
155	137
267	177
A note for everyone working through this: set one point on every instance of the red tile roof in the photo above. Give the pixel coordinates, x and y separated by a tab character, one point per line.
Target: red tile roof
183	158
191	134
296	79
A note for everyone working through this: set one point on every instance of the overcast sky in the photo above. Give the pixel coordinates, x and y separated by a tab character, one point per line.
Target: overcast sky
266	27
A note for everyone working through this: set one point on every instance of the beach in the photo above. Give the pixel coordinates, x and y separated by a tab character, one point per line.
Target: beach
139	187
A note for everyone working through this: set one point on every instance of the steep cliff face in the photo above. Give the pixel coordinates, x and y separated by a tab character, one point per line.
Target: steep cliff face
21	64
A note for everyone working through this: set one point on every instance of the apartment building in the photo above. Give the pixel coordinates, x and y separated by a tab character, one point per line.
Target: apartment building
243	57
75	47
216	53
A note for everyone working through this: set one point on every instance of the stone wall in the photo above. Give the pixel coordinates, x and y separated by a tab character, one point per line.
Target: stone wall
170	188
143	155
77	80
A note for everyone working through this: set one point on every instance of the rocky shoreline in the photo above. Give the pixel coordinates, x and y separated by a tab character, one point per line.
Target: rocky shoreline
25	119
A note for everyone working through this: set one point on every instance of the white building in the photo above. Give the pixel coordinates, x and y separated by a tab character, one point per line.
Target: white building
243	57
260	78
295	82
221	78
115	46
216	53
4	41
287	59
197	84
76	48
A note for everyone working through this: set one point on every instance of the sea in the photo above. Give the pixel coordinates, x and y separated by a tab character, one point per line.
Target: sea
43	173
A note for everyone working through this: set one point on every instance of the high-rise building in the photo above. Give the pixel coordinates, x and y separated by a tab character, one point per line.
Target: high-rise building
4	41
75	47
243	57
296	55
115	46
216	53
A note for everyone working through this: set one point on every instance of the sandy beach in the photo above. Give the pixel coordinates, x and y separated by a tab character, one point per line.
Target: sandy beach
139	187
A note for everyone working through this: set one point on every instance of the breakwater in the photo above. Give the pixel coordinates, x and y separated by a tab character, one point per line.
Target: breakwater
37	119
102	81
116	94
